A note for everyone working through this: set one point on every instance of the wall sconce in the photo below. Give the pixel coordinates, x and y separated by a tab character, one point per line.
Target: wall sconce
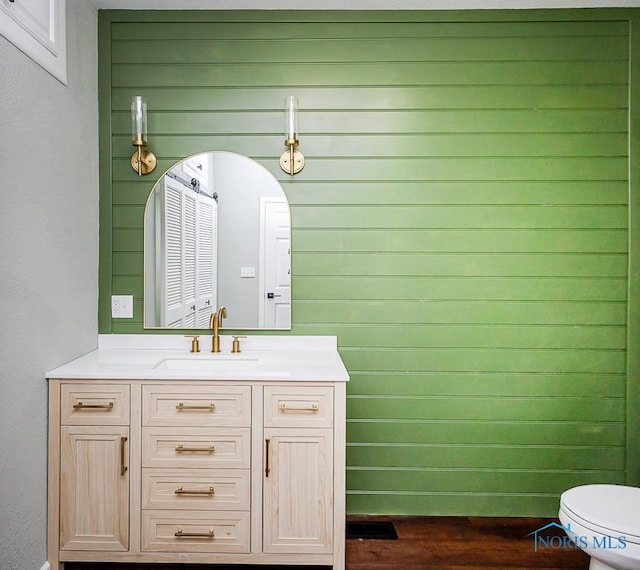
292	160
142	161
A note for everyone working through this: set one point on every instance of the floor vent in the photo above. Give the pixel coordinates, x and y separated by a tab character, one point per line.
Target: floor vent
371	530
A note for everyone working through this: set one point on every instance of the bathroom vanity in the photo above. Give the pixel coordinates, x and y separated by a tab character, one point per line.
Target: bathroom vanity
157	454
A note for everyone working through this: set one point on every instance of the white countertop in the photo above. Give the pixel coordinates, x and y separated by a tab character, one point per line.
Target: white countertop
167	357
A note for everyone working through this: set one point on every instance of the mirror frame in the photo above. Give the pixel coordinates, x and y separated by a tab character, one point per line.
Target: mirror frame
280	208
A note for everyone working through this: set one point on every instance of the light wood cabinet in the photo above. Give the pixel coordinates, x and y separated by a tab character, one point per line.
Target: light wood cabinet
298	495
94	488
196	472
202	459
94	467
94	405
188	532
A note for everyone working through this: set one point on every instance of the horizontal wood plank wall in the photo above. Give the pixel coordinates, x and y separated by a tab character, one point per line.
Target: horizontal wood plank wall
461	225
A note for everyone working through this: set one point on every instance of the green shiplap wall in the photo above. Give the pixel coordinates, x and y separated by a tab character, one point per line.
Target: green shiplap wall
462	224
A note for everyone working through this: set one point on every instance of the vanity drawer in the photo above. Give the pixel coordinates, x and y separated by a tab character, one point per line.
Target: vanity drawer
94	404
197	489
298	406
191	405
196	447
168	531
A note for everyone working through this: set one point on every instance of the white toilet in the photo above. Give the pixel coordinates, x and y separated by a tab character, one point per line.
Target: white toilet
604	521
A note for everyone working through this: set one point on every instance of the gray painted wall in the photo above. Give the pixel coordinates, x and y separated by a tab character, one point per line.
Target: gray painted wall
48	263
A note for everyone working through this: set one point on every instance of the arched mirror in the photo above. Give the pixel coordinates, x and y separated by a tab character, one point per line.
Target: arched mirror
217	232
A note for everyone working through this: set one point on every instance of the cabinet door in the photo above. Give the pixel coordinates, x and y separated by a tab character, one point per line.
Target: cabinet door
298	491
94	488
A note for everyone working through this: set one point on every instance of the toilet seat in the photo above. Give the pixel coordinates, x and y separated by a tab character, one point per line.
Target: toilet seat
605	509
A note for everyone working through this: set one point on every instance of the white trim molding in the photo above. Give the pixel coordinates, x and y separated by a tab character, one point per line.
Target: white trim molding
39	32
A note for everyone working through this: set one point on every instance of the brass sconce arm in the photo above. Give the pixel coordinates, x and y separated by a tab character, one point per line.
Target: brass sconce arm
292	160
143	161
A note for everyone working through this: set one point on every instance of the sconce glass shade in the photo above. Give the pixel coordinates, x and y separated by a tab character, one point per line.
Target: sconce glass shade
291	117
292	160
138	121
142	161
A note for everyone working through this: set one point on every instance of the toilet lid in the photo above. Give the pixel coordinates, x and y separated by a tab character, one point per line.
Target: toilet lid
613	509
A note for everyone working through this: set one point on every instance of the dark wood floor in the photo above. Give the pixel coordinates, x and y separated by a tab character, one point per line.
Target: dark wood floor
463	543
442	543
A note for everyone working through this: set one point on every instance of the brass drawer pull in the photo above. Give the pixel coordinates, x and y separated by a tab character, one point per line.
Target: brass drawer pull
123	467
180	448
267	469
81	406
182	534
182	491
181	406
312	408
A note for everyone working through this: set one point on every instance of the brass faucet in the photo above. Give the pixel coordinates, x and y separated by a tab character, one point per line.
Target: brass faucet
215	322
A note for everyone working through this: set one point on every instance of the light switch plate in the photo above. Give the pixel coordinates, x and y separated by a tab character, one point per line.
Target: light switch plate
122	306
247	272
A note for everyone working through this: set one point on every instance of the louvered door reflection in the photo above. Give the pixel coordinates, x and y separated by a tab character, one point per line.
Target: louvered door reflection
190	236
188	256
171	301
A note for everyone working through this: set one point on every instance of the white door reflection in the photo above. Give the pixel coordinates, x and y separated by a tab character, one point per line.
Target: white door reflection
275	295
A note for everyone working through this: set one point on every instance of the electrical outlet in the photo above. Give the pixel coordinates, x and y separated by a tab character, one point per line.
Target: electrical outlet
122	306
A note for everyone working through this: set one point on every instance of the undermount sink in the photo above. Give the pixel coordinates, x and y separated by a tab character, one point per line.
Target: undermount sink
231	363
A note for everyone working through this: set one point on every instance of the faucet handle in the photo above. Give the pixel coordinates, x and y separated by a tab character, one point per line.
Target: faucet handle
236	343
195	343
